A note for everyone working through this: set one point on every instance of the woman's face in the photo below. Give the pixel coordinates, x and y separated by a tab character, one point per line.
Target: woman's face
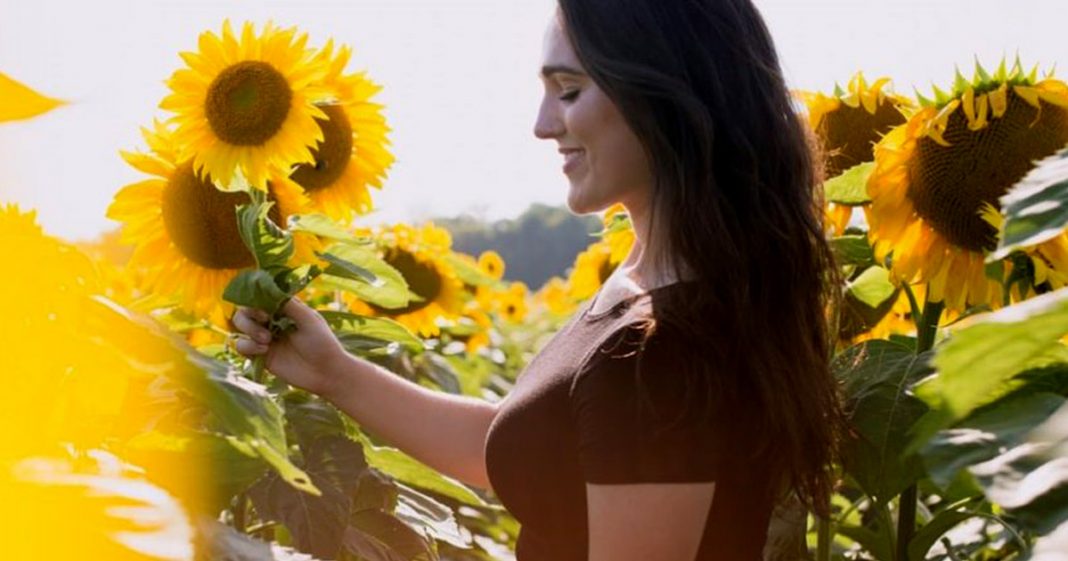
603	158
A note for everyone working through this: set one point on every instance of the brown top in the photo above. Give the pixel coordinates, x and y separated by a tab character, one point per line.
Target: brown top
573	418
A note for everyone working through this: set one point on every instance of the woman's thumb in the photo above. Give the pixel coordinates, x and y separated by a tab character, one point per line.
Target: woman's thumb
299	312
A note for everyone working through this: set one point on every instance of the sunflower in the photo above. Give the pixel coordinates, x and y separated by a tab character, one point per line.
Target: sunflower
592	267
353	153
847	124
554	297
420	256
956	156
491	264
512	303
850	122
247	106
185	229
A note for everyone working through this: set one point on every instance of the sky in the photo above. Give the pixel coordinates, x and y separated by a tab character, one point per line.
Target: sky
459	81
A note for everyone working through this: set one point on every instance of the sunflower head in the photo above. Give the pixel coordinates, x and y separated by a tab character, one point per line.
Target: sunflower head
956	156
419	254
246	106
354	152
592	268
849	122
184	229
491	264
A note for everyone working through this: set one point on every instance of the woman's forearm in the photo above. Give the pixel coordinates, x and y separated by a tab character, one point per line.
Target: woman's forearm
444	431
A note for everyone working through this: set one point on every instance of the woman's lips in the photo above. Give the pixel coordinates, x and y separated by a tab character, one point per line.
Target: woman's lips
573	158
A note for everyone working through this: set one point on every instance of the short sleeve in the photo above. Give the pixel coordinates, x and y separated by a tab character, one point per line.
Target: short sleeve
623	438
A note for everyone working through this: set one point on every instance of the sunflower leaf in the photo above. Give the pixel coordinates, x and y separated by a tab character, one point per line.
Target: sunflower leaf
271	246
977	364
381	329
853	250
404	468
468	273
873	287
320	225
361	271
255	288
850	188
1036	209
876	375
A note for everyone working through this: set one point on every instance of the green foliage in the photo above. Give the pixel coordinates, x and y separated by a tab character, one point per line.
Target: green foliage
1036	209
358	269
875	375
850	188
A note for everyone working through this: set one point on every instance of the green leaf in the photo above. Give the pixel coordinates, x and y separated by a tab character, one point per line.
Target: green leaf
255	288
242	410
853	250
850	188
987	433
378	536
271	246
317	523
877	375
1036	209
359	270
409	470
1030	481
878	543
378	329
322	226
873	287
468	273
424	513
980	358
926	537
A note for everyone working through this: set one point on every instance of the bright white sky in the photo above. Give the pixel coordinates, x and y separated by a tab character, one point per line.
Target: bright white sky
460	83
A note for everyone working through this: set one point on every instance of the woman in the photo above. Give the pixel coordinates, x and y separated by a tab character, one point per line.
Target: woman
664	420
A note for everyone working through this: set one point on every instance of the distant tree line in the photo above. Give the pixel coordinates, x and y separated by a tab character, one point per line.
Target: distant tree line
540	243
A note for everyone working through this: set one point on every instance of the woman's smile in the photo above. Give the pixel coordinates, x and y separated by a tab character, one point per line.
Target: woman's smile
572	158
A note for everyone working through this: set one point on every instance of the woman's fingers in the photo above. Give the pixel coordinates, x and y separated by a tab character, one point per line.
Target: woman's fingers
244	320
248	347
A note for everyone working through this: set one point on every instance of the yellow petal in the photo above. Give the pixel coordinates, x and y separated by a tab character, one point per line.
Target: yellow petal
999	100
20	102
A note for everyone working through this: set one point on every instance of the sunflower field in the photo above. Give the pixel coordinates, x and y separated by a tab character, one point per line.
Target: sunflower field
135	431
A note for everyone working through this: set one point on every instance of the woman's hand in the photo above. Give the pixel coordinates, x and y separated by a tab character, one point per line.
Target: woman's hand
304	357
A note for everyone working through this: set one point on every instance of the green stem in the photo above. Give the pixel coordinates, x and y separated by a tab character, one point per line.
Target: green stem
928	326
240	511
906	521
823	539
926	330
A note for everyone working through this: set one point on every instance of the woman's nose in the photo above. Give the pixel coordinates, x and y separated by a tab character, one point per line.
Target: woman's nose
548	124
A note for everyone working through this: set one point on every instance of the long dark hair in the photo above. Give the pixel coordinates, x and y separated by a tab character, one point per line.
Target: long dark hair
700	84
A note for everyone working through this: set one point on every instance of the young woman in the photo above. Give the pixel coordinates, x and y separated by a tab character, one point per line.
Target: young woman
667	417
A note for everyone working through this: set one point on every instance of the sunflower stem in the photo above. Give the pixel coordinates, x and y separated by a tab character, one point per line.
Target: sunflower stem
258	369
926	330
823	539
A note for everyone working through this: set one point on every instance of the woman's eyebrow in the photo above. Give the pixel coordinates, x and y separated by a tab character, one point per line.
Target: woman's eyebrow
550	70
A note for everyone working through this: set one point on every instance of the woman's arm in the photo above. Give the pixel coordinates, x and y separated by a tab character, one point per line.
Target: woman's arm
446	432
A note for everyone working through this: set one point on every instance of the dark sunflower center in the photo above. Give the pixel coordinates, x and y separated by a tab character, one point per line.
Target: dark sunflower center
202	223
423	280
331	155
247	103
849	134
948	186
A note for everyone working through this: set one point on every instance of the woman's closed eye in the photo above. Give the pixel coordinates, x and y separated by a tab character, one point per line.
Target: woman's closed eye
569	96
